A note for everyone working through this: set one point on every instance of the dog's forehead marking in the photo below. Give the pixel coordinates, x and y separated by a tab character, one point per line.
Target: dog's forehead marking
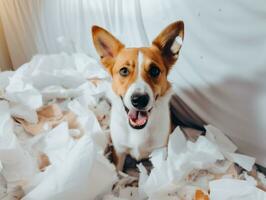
139	84
140	62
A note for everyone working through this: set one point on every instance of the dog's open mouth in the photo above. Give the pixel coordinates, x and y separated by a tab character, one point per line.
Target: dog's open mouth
137	118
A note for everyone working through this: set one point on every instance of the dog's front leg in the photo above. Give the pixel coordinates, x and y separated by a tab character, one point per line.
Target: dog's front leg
120	161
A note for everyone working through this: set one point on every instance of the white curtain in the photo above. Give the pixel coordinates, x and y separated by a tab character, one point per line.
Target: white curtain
51	26
222	68
5	61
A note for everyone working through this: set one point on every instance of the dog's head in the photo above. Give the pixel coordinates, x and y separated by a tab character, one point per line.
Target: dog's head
139	74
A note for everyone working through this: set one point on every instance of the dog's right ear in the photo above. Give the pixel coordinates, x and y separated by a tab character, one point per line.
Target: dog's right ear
169	42
107	46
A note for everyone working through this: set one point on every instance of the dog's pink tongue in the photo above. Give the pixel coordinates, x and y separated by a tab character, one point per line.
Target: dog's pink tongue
142	118
138	117
133	115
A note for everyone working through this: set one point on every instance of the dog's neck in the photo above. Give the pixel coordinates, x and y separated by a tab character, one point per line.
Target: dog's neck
140	143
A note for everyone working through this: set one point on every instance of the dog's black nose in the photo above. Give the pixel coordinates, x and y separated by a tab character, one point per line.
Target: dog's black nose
140	100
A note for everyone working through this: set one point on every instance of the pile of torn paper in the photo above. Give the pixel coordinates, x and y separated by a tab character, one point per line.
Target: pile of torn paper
54	130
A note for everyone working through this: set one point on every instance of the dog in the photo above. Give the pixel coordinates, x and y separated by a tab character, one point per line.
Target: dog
140	114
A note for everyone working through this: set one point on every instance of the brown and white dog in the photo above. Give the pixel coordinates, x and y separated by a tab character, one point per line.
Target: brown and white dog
140	116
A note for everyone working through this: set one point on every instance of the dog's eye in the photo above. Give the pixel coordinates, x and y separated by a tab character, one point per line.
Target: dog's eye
154	71
124	71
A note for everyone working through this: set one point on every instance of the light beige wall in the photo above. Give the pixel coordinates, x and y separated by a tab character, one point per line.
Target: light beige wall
5	61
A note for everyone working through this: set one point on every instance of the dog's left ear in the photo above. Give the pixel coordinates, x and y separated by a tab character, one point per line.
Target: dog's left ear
107	46
169	42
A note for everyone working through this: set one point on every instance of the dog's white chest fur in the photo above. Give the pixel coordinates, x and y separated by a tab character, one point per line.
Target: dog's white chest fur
140	143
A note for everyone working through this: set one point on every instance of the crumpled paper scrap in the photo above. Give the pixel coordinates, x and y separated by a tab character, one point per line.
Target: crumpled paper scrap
4	81
217	136
228	189
86	118
12	155
23	112
48	117
22	91
228	148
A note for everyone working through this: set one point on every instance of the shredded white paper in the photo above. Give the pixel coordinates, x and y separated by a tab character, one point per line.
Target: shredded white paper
227	189
65	160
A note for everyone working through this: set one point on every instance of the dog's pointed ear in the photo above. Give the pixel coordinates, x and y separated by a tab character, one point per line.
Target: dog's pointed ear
106	45
169	42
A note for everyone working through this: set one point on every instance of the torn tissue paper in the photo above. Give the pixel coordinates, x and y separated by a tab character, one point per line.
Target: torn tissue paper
23	92
183	157
76	170
228	189
54	130
18	166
